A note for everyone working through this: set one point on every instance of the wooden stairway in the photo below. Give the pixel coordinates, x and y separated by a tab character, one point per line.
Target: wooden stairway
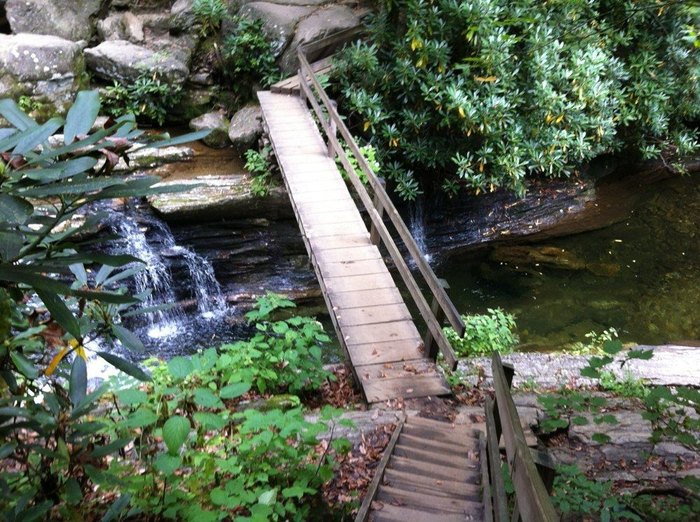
431	473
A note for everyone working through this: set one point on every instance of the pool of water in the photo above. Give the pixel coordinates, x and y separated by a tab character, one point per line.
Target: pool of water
640	276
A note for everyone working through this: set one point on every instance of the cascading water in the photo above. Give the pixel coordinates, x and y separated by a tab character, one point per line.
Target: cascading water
148	238
417	229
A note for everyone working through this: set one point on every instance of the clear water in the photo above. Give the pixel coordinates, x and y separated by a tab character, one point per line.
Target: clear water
640	276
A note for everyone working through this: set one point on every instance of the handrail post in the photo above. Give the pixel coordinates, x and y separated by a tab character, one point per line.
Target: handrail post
431	347
333	130
302	94
377	202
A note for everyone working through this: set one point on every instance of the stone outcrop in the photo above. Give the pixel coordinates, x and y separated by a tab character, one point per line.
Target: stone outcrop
245	128
121	26
279	21
69	19
218	123
124	61
45	67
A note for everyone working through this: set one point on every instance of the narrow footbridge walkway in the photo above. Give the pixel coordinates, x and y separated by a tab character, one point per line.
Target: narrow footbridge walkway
367	309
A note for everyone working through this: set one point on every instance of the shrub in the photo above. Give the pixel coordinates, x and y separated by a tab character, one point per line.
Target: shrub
481	94
209	14
485	334
148	98
248	57
259	164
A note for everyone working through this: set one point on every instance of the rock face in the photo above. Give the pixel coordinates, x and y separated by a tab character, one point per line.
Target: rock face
280	21
45	67
124	61
218	124
121	26
246	127
181	16
69	19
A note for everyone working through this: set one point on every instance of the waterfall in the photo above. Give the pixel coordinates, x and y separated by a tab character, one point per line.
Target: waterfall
417	228
148	238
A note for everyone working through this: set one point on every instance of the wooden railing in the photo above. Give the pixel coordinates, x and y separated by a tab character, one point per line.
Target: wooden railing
532	481
377	206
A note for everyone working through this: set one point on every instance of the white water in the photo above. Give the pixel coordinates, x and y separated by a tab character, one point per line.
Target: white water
418	230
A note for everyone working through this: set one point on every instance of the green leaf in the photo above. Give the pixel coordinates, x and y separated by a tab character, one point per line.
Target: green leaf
642	354
268	498
70	187
235	390
82	115
108	449
125	366
579	421
7	449
11	243
175	432
16	116
24	365
78	381
34	137
128	338
14	210
206	399
60	312
210	421
167	464
601	438
589	372
140	418
179	140
73	492
117	507
132	397
612	347
608	418
296	491
180	367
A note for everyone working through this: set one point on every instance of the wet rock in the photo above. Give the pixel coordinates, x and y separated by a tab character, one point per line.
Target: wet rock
218	123
523	256
246	127
219	197
121	26
279	21
125	62
149	158
69	19
181	16
48	68
321	23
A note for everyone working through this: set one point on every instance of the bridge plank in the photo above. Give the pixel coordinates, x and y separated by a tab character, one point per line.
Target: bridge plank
371	320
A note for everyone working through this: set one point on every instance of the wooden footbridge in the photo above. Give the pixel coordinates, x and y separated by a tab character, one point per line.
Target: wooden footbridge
431	470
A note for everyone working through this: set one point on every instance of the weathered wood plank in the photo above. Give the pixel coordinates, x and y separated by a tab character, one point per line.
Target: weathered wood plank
390	513
336	285
434	471
404	387
335	230
378	333
363	267
426	501
367	357
321	244
434	457
436	446
370	314
357	253
443	487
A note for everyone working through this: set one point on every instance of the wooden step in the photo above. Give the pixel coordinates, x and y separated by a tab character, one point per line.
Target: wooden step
444	487
426	501
373	314
436	471
438	446
438	435
386	512
434	457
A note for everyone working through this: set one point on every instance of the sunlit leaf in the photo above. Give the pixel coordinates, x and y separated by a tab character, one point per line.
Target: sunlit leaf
125	366
175	432
82	115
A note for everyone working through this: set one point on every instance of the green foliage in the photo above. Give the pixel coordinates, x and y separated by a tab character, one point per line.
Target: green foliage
628	386
216	463
480	94
670	508
259	164
485	334
568	406
284	355
45	409
674	414
594	345
148	97
575	495
370	156
209	14
249	60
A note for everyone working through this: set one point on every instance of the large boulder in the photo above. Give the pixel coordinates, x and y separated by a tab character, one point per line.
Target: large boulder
45	67
279	21
321	23
121	26
181	16
69	19
246	127
125	62
218	124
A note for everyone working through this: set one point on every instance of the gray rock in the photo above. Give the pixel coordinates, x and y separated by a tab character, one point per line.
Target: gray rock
246	127
218	123
123	61
279	21
181	15
121	26
217	197
321	23
43	66
69	19
149	158
303	3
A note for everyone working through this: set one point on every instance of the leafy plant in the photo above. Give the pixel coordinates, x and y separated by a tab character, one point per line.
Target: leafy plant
46	431
209	14
248	56
369	154
284	355
148	97
480	95
575	495
259	164
484	334
628	386
594	344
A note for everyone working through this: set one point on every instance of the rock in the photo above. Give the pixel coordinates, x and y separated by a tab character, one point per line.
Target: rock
124	61
246	127
279	21
219	197
45	67
321	23
69	19
218	124
149	158
121	26
363	422
181	16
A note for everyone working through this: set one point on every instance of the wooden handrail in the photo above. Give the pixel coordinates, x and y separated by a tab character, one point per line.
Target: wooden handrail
533	503
331	121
